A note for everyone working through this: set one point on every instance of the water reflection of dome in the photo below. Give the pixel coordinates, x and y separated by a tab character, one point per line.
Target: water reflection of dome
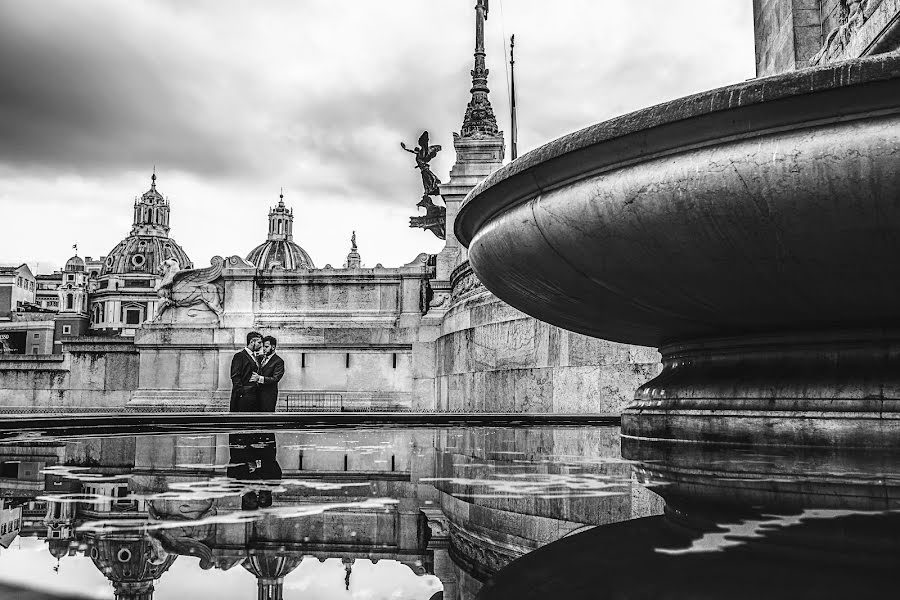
130	563
270	571
279	249
58	548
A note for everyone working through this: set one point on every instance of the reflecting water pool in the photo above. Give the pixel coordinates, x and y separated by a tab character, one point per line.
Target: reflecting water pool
422	513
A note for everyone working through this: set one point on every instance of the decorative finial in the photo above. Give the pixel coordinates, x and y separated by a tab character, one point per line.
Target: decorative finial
353	241
153	179
479	120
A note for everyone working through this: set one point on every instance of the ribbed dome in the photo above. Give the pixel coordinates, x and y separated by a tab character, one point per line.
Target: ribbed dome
283	252
144	254
58	548
75	264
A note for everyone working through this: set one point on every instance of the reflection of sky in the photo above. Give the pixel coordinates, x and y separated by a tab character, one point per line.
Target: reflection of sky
28	563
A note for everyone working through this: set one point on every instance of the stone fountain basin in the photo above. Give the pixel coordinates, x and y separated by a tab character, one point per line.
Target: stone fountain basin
766	206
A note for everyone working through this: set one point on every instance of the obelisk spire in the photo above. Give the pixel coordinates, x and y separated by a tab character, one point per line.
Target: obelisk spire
479	120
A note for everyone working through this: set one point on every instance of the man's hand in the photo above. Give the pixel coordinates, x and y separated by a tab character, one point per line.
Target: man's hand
254	378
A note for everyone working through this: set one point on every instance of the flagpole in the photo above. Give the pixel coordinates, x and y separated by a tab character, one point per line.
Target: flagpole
514	136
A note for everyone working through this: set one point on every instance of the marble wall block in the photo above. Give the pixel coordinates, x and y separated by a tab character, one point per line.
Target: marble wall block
577	389
197	369
534	390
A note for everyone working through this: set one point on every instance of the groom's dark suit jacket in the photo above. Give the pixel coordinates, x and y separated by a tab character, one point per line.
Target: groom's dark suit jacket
244	393
272	372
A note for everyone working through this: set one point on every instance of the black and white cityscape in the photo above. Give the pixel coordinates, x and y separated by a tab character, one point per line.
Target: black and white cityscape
455	300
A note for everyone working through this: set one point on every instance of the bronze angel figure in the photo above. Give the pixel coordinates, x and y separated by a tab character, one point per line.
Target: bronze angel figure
424	153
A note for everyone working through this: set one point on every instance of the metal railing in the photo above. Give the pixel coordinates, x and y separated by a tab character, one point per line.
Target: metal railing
314	402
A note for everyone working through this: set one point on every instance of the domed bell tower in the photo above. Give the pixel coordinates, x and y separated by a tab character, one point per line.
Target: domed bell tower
151	213
281	222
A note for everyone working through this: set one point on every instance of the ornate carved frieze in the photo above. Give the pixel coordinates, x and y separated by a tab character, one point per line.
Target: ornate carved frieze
482	556
464	282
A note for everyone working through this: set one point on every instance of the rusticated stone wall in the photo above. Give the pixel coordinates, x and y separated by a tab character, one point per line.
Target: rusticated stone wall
91	373
493	358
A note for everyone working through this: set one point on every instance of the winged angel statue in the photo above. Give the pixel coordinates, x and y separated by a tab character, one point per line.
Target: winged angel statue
424	154
435	216
190	287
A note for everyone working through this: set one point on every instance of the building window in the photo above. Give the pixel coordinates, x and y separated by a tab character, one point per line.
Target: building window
347	364
67	330
70	277
303	360
34	350
133	316
70	301
395	360
36	335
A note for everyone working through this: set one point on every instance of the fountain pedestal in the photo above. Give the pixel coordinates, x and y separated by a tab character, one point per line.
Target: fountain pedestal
751	232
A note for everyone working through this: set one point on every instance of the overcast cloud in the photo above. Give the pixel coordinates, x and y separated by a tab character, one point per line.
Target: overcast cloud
232	100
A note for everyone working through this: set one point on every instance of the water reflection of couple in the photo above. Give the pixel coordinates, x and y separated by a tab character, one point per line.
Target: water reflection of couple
255	373
253	457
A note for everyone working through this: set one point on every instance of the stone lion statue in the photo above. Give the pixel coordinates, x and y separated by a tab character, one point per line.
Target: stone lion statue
190	287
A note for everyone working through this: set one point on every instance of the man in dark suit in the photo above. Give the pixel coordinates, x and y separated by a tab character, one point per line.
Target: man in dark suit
271	370
244	373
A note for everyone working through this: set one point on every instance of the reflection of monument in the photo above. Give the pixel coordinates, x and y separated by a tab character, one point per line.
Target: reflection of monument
458	532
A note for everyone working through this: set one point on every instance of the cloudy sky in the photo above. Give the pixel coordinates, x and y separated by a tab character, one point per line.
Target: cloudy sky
234	99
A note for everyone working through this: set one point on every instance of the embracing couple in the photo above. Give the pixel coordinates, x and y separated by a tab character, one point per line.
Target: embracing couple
255	373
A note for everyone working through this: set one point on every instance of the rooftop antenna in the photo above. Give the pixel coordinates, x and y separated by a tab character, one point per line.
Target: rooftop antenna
514	135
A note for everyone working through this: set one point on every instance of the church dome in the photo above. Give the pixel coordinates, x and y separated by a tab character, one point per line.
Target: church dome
280	249
284	253
148	244
75	264
144	254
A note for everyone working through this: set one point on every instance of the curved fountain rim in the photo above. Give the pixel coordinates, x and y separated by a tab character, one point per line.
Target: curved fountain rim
492	196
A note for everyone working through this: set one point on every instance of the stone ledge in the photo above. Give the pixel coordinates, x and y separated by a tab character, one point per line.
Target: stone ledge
74	423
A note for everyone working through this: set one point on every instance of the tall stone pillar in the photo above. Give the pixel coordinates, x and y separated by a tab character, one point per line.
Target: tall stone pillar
476	158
